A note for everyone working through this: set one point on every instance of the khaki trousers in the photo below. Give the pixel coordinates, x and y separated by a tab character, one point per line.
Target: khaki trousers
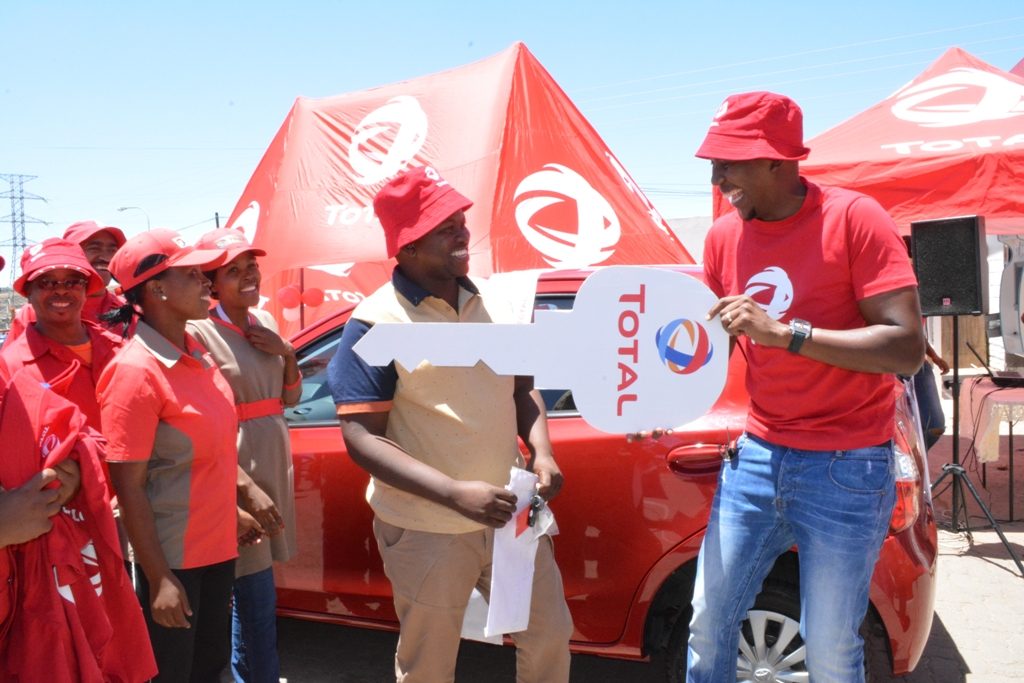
432	576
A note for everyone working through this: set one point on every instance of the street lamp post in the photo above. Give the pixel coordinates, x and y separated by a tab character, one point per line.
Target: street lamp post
137	208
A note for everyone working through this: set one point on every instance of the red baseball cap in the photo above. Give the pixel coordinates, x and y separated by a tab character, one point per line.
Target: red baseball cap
83	230
51	254
756	125
413	203
126	262
229	240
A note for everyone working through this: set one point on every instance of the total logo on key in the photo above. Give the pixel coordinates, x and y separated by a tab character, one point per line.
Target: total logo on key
684	346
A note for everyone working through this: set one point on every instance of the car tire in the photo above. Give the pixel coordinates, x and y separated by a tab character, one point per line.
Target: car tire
775	614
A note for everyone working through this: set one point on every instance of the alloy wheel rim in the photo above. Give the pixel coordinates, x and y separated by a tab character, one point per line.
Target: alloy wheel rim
771	649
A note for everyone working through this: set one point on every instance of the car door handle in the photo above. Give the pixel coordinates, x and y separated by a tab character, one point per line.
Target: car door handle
301	411
696	460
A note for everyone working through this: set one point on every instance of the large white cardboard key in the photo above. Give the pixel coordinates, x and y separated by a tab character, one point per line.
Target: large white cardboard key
635	349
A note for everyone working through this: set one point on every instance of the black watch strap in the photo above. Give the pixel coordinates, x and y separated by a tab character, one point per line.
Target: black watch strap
801	330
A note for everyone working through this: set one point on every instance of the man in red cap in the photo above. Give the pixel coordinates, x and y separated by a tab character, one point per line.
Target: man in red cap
817	293
100	243
439	444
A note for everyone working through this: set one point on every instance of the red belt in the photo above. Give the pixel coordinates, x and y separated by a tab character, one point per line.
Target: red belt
255	409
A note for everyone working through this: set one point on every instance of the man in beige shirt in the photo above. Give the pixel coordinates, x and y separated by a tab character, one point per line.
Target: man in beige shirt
439	443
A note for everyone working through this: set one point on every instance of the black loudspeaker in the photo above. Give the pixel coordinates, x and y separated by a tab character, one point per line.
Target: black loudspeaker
950	259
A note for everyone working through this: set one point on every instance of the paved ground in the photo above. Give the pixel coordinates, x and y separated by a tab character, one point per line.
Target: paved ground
977	635
979	627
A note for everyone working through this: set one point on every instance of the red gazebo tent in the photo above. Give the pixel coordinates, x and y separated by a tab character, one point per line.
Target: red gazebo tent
949	143
547	191
1018	69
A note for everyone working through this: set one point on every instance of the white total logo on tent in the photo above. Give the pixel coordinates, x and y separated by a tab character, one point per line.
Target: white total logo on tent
775	281
336	269
631	185
999	99
387	139
596	232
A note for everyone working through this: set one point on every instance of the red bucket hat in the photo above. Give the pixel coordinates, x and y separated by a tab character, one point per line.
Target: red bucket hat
229	240
51	254
125	264
756	125
413	203
82	231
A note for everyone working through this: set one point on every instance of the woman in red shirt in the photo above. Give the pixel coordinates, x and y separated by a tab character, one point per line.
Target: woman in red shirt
67	611
264	374
169	416
60	347
98	243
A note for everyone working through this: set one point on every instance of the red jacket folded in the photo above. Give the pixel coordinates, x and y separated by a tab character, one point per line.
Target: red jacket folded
75	618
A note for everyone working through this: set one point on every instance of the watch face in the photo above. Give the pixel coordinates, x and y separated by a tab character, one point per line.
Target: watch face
801	330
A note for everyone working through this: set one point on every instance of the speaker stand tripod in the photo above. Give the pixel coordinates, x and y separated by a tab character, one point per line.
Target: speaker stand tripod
956	470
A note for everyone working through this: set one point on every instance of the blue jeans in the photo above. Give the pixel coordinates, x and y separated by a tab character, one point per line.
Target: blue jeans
835	507
254	629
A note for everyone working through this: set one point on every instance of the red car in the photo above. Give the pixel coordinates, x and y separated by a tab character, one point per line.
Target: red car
632	516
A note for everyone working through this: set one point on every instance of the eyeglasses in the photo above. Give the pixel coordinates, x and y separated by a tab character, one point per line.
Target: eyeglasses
99	249
70	284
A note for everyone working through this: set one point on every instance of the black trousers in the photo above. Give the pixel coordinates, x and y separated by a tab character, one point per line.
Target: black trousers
200	653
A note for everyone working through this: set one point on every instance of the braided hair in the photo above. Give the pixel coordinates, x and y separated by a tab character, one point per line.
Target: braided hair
124	315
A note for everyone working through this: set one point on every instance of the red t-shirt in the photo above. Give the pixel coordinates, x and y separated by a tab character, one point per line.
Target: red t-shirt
175	410
49	361
839	248
75	616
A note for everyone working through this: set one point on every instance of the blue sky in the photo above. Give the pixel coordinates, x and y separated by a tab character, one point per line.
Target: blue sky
169	106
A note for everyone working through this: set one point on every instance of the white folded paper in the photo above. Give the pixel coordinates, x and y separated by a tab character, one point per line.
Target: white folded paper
475	620
515	550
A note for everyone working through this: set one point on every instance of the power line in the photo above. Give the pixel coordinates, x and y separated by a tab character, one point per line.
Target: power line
589	111
130	148
803	53
17	217
804	67
212	219
837	76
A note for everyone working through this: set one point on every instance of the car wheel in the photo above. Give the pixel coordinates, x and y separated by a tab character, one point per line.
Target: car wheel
771	648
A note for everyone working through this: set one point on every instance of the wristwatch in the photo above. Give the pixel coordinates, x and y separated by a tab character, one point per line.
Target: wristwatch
801	330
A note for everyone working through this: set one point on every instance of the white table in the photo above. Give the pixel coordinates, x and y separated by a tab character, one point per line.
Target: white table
985	405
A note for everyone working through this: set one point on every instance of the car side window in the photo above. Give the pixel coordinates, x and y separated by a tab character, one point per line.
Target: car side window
316	404
559	402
